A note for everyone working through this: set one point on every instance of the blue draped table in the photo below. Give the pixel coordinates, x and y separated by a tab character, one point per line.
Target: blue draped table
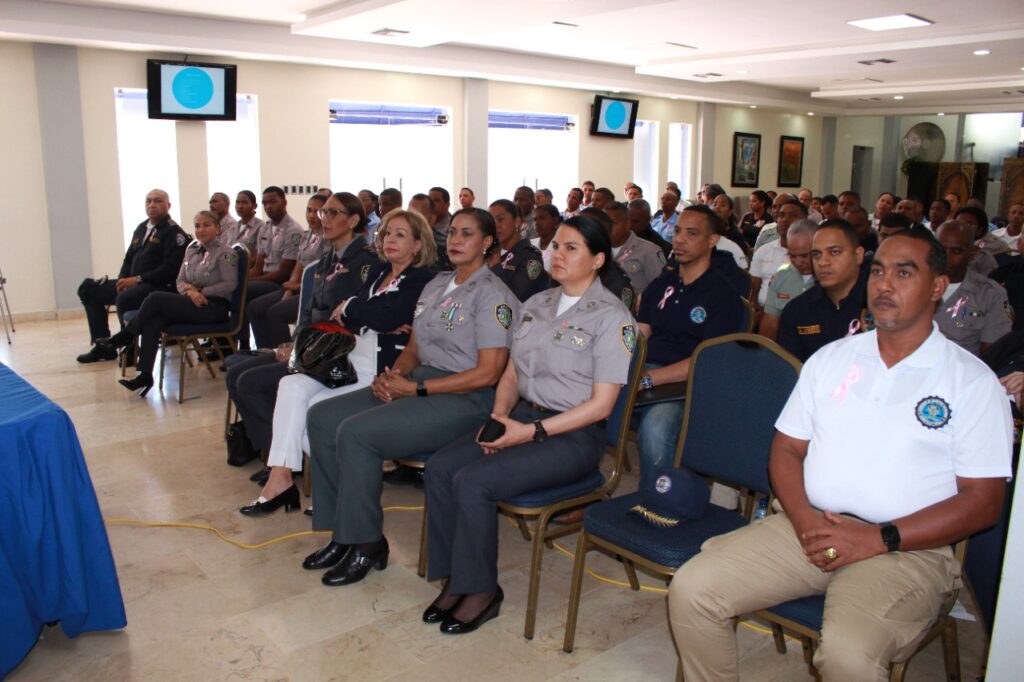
55	560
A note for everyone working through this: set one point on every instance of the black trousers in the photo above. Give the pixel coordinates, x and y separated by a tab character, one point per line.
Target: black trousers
269	317
255	290
162	309
464	485
129	299
252	385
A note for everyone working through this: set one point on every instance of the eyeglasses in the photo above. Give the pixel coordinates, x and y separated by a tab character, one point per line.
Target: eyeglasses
330	213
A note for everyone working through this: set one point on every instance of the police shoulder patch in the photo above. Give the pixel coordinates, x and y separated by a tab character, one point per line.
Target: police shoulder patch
182	239
628	296
534	268
933	412
1008	311
629	337
296	238
661	257
503	314
231	258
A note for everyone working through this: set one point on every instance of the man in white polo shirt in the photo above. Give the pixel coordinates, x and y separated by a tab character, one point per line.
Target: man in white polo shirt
894	445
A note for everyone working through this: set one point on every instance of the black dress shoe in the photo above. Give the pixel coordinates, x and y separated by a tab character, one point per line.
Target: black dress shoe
404	475
120	340
261	476
453	626
96	353
141	383
289	499
327	556
435	614
357	564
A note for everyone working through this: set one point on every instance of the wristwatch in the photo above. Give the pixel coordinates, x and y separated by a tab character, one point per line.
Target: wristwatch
421	389
539	434
646	382
138	279
891	537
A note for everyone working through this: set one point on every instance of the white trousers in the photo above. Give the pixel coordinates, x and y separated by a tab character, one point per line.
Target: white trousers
296	393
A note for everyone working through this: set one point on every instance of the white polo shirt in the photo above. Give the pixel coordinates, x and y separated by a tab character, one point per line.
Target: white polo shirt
766	262
887	442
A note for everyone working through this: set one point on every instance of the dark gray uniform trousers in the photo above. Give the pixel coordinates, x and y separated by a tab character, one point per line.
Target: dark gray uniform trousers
129	299
351	435
252	386
269	318
464	485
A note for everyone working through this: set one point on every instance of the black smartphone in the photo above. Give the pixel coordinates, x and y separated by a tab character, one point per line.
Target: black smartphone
492	431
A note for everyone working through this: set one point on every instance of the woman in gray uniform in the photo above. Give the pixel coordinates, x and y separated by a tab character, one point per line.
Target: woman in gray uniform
518	263
439	388
570	354
207	279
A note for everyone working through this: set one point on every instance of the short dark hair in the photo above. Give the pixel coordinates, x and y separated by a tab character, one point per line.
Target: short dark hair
712	191
843	226
587	182
467	189
643	204
598	215
936	258
944	203
445	196
850	193
508	206
606	192
714	222
829	199
421	196
576	189
393	193
794	202
527	188
956	194
638	188
373	197
894	219
274	189
978	214
249	195
546	192
619	207
675	190
895	199
318	197
550	209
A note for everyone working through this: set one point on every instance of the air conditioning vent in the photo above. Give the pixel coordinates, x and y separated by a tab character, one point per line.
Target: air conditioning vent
875	62
390	32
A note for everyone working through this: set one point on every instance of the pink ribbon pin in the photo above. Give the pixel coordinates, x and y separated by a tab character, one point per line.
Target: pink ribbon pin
854	327
664	297
953	310
624	255
507	259
853	375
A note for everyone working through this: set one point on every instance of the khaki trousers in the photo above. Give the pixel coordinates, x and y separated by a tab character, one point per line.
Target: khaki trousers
875	609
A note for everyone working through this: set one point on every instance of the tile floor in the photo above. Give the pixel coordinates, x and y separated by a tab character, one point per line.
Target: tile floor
202	609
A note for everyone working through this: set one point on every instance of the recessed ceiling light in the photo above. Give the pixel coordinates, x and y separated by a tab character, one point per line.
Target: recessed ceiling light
753	106
891	22
810	113
898	97
741	71
982	53
941	113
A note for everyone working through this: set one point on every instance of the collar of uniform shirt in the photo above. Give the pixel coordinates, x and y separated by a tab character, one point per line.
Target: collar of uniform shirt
926	355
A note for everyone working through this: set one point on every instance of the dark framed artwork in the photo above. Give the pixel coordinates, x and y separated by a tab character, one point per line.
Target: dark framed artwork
791	161
746	159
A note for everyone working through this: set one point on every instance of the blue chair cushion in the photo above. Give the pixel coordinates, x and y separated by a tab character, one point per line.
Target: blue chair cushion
807	611
421	457
129	316
611	521
542	498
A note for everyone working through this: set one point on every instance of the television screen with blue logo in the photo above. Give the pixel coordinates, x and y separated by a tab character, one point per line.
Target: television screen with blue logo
191	91
613	116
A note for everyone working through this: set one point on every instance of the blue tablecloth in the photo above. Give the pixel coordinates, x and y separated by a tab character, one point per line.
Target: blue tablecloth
55	560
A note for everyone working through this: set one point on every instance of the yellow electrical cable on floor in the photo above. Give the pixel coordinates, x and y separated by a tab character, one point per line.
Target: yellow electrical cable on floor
216	531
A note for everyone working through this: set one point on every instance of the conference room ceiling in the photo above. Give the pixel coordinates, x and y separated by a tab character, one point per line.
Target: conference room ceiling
798	51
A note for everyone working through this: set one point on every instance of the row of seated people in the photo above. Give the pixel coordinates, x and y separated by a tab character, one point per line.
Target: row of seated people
570	349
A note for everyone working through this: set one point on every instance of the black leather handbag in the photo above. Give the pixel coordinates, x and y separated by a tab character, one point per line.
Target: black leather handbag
321	352
240	450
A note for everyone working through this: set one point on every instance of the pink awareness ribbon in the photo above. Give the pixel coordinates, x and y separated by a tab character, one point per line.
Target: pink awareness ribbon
854	327
853	375
624	255
953	310
507	259
664	297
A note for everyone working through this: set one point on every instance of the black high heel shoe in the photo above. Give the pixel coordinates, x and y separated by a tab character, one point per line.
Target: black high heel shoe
357	564
141	381
261	507
119	340
453	626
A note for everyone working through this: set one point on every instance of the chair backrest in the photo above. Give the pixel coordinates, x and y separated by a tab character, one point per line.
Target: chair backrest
737	387
749	293
235	318
306	292
748	316
636	371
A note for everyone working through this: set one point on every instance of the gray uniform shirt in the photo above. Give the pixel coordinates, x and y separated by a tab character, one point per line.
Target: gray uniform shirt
246	234
279	242
228	224
312	247
786	285
976	313
559	358
641	260
213	269
452	327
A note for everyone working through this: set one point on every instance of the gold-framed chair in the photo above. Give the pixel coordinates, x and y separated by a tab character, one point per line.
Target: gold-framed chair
709	446
803	618
221	336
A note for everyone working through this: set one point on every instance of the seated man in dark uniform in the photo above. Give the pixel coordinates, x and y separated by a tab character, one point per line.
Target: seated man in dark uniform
151	263
836	306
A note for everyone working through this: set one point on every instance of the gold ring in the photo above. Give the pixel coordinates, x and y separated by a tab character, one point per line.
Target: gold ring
831	554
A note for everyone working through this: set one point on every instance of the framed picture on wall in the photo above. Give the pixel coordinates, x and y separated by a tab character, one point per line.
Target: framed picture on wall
746	159
791	161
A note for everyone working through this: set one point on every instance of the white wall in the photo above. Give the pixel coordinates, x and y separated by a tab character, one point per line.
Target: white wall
770	125
25	254
861	131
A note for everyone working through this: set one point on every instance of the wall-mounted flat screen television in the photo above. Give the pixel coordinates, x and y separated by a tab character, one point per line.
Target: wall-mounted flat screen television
613	116
191	91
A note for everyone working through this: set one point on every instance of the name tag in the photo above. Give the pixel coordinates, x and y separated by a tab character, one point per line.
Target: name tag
782	296
809	329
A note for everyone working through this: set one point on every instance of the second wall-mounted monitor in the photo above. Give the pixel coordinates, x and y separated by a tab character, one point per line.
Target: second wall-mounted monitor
613	117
